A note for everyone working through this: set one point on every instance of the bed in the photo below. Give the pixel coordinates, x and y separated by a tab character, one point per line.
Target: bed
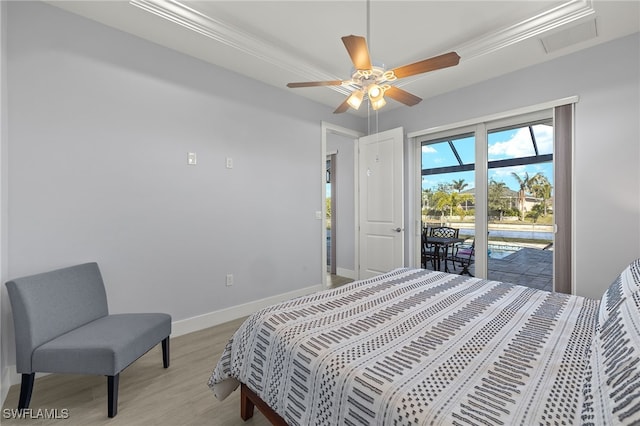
418	347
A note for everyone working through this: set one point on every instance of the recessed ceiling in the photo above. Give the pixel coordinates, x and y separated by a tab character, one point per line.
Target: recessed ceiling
278	42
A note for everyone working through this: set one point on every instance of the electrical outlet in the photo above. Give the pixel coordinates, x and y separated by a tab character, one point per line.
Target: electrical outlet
192	159
229	280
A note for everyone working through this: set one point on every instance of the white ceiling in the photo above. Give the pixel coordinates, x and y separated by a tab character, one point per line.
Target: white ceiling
290	41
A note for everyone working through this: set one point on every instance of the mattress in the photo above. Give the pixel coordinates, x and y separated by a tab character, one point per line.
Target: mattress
412	347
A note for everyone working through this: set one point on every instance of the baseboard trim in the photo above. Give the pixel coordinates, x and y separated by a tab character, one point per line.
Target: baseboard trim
200	322
9	378
5	383
189	325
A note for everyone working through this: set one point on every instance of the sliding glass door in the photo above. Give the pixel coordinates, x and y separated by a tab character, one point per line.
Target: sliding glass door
494	183
448	189
520	220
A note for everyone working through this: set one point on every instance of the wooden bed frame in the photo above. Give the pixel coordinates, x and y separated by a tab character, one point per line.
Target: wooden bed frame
249	400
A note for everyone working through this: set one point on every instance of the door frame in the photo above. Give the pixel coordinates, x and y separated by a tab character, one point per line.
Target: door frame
414	204
326	129
331	158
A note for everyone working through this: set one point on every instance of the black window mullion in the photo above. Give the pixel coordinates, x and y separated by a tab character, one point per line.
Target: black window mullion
522	161
455	152
533	140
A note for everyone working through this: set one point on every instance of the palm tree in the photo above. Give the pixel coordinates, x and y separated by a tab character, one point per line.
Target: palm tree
459	184
525	186
541	188
442	202
449	201
427	194
496	197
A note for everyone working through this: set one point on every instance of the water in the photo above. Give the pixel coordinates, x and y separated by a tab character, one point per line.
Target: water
500	233
498	251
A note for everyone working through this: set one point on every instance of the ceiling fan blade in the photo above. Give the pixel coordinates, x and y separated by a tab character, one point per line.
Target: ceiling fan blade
343	107
315	83
402	96
443	61
358	51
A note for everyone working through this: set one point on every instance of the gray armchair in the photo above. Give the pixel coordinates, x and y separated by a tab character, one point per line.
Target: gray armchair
62	325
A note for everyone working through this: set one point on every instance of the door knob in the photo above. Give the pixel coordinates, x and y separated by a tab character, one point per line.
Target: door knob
397	229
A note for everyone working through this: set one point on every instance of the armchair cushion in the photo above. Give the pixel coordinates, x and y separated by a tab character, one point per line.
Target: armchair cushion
62	325
104	346
50	304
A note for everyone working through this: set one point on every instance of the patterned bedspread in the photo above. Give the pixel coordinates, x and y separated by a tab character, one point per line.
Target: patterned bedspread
416	347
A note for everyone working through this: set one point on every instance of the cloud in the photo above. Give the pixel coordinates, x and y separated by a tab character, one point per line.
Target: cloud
432	154
520	144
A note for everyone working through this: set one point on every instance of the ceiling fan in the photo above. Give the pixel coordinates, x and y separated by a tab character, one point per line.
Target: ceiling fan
371	80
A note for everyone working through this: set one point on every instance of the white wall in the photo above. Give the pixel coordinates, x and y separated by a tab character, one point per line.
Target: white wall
345	200
100	126
607	144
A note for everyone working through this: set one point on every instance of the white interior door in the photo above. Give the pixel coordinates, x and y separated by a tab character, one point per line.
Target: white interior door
381	202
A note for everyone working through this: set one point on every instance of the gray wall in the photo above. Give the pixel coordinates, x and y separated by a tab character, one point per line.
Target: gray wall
5	342
100	123
607	144
345	198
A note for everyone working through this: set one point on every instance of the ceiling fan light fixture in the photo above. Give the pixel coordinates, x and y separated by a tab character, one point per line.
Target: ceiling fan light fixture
389	76
378	103
355	99
375	92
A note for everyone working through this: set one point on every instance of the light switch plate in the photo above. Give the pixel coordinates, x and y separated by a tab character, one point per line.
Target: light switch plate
191	159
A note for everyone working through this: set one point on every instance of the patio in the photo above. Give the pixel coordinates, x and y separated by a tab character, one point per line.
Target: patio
529	267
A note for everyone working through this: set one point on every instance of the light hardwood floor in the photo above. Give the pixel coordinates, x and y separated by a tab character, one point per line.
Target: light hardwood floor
149	394
334	281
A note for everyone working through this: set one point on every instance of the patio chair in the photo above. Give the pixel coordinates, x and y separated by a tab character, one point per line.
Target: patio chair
445	232
428	251
465	256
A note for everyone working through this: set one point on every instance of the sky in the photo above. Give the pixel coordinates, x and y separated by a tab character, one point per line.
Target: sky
505	144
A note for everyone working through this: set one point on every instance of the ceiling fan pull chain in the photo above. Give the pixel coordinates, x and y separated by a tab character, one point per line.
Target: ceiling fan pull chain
368	25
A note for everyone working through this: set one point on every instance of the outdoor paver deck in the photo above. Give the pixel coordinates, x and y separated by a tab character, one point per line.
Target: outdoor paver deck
528	267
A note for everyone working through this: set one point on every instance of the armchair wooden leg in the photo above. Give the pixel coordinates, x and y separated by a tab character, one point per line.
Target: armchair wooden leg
165	352
112	392
26	389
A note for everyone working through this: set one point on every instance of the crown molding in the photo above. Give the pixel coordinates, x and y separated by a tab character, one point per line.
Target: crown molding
244	41
539	24
235	37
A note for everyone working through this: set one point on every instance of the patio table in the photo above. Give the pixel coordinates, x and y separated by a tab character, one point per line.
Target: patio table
441	246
